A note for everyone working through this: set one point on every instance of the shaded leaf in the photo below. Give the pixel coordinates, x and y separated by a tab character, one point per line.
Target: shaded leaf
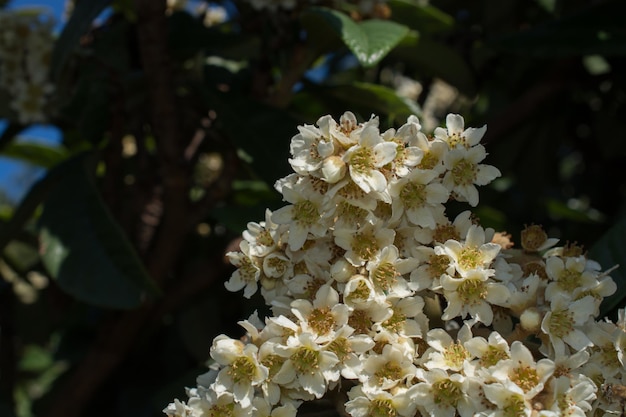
366	98
84	249
610	251
39	154
83	15
422	17
370	41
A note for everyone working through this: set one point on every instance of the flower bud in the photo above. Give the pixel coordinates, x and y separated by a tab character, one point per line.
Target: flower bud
342	270
530	320
333	169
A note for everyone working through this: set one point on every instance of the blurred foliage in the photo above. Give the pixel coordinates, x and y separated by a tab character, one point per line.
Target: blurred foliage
113	263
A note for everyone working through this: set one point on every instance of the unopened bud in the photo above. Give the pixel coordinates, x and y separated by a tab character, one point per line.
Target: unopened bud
333	169
342	270
530	320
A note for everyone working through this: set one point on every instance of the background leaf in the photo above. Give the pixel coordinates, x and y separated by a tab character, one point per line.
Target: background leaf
38	154
370	40
83	15
84	249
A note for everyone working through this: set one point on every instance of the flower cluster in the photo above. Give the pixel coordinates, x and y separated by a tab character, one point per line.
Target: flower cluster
26	44
375	291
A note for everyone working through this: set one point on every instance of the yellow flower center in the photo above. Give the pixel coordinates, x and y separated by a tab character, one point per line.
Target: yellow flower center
515	407
365	245
447	393
340	347
226	410
493	355
470	258
472	291
361	160
305	360
464	172
569	280
455	354
561	323
273	363
321	320
381	408
305	212
385	276
525	377
413	195
242	369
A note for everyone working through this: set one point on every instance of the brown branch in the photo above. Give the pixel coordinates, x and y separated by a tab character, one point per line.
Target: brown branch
116	337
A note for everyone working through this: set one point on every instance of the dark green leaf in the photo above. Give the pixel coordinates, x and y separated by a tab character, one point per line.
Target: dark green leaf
35	153
610	251
83	247
82	17
434	59
366	98
422	17
370	41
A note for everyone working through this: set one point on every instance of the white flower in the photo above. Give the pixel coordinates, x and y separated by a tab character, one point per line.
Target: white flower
563	323
307	364
407	155
386	272
212	403
365	244
367	157
571	400
309	149
445	353
385	371
445	395
419	196
473	253
324	316
488	352
262	408
178	409
262	237
445	230
509	400
380	403
406	318
303	216
464	172
569	276
473	294
247	273
455	135
241	373
522	370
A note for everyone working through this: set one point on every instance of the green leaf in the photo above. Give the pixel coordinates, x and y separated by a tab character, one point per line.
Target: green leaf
83	15
422	17
366	98
370	41
83	247
610	251
434	59
35	153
